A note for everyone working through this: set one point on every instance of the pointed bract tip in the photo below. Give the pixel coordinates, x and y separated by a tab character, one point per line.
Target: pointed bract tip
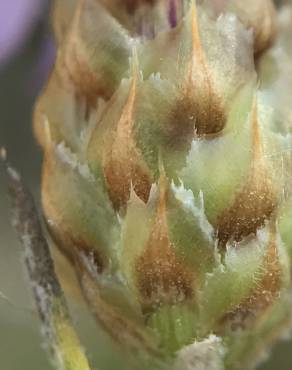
134	61
126	120
162	186
197	47
256	139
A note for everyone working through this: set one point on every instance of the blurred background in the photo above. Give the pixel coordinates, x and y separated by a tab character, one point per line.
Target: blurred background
26	56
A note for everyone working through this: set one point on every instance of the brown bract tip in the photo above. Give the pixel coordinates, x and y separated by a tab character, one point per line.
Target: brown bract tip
199	108
67	237
73	64
161	276
256	200
264	294
123	164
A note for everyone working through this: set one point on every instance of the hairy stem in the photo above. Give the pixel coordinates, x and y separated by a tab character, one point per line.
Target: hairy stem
62	339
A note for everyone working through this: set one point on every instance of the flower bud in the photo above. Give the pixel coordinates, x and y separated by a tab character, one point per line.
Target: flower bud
167	174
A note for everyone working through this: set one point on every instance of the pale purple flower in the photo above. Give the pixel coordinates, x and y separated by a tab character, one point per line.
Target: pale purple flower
18	19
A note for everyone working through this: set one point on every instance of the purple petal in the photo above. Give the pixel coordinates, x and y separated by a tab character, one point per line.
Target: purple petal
17	19
172	13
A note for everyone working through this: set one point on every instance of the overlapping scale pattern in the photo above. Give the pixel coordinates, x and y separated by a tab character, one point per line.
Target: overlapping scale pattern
167	167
